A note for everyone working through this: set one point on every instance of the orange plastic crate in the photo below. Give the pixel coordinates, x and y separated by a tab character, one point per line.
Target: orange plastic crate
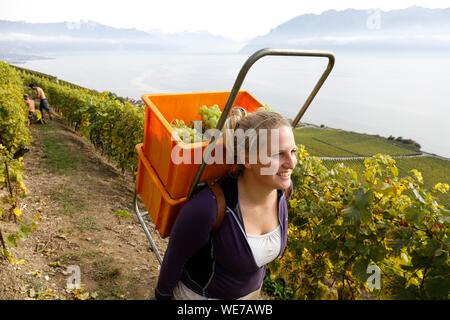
157	147
161	207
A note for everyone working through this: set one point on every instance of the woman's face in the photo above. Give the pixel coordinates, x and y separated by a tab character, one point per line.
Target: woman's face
274	171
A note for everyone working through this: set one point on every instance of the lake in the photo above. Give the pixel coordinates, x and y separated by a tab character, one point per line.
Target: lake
386	93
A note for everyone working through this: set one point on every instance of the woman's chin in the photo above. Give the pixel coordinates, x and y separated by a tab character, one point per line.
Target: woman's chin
283	182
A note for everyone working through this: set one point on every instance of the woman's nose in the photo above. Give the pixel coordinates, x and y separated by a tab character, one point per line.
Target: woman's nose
291	161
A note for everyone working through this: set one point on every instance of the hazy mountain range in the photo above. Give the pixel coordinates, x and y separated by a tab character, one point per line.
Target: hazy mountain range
412	28
17	37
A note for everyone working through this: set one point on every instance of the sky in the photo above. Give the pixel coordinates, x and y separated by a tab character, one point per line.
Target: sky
236	19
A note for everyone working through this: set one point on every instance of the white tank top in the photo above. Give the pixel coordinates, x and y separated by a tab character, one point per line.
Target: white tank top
265	247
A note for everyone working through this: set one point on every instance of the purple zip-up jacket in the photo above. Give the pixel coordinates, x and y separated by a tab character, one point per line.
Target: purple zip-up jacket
216	264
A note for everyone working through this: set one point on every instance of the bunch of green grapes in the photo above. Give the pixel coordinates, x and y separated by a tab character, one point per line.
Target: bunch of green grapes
210	116
187	133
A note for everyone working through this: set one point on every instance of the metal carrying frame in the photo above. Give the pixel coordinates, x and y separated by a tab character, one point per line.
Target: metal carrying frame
143	215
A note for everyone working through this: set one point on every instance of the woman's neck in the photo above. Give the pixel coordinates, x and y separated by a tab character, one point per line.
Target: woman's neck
253	191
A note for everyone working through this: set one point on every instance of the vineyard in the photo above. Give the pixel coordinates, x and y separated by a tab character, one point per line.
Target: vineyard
111	125
338	143
344	215
14	141
435	170
342	221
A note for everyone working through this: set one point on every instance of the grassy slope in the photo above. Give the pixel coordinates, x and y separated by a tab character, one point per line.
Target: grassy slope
339	143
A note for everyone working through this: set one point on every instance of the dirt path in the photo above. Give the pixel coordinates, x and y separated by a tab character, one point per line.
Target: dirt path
75	197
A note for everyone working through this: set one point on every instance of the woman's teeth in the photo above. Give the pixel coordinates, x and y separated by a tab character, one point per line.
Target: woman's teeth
284	174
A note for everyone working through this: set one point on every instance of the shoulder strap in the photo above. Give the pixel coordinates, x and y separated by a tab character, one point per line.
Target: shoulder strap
221	205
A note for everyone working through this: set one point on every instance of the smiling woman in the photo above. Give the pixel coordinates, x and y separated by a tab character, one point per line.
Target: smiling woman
228	262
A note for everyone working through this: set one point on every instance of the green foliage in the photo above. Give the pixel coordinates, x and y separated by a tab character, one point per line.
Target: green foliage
341	222
14	141
276	287
24	231
435	170
14	132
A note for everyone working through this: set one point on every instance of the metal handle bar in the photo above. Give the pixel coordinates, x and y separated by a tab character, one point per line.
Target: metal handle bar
238	83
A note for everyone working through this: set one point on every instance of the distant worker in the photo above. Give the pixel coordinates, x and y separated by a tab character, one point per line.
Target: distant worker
43	104
33	116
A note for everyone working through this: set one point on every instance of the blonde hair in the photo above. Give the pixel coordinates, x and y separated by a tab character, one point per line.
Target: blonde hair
241	119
